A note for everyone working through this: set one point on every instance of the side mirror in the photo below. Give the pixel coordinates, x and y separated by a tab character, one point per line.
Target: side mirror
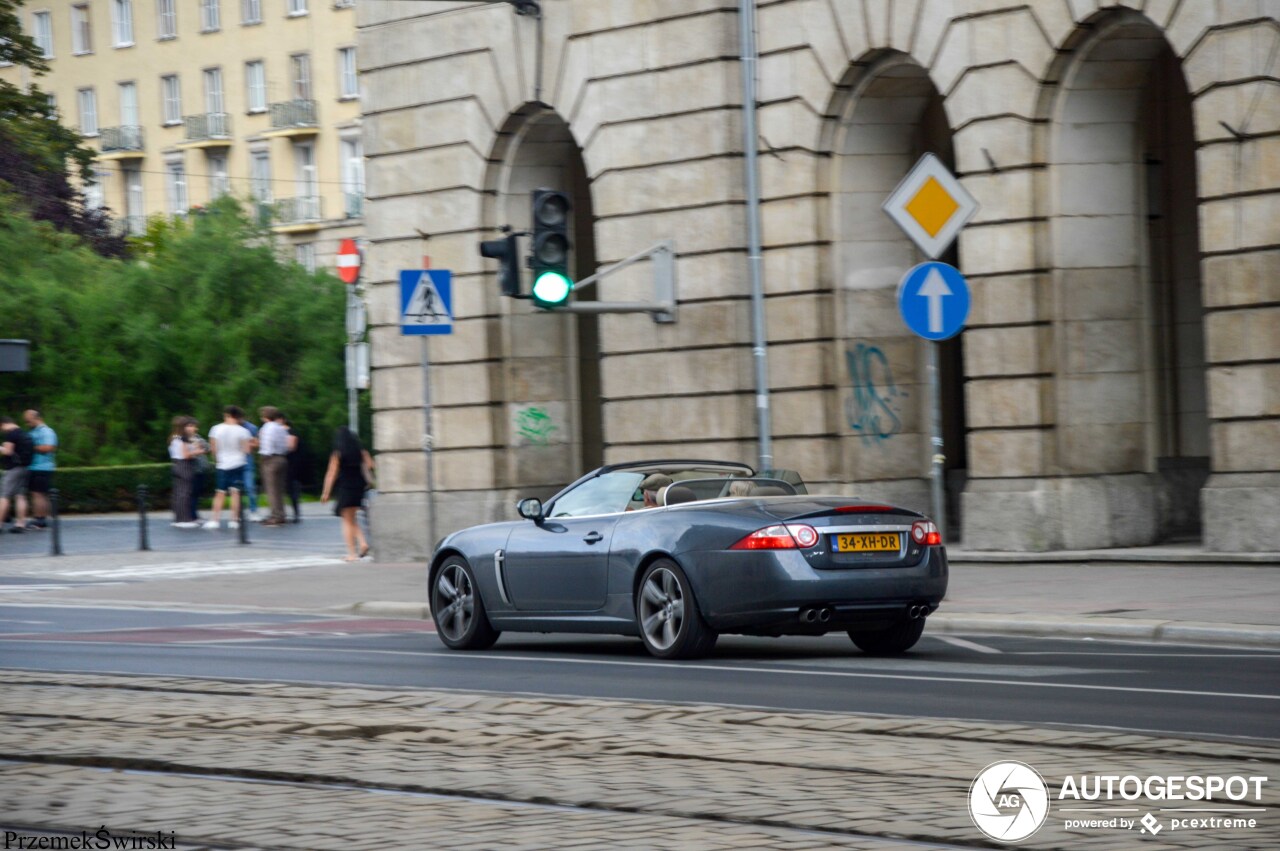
530	509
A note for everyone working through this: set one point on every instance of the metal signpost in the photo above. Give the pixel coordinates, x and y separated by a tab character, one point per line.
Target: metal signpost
932	207
426	308
348	263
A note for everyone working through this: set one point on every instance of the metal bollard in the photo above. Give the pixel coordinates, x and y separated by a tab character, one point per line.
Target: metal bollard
244	527
143	543
55	540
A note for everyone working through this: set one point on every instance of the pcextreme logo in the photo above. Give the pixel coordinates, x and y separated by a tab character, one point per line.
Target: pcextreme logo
1009	801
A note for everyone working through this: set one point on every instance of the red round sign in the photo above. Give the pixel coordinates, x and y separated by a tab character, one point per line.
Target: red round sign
348	261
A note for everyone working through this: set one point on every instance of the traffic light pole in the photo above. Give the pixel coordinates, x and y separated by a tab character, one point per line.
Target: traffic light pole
663	306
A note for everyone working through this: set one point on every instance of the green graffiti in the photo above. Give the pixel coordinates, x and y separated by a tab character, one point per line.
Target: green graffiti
535	426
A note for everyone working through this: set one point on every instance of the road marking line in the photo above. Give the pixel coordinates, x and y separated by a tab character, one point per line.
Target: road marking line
195	568
734	669
970	645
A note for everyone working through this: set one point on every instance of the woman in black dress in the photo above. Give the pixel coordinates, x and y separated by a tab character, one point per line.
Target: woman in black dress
350	469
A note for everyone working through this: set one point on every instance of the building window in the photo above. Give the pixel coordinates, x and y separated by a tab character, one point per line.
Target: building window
122	22
348	81
305	254
219	185
176	187
166	19
81	30
94	192
210	16
43	33
250	12
260	175
301	64
307	207
213	90
352	170
171	90
134	211
297	7
255	80
128	104
51	102
88	103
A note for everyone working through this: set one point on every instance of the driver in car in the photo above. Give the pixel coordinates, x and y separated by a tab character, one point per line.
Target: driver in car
652	486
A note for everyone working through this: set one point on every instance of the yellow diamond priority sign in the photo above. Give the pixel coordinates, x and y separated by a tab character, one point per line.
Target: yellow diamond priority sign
931	206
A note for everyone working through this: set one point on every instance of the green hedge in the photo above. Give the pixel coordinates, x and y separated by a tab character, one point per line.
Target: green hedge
89	490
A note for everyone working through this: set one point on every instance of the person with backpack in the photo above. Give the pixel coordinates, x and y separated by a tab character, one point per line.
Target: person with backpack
16	452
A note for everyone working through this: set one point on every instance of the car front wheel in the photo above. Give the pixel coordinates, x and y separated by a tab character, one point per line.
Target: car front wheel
899	638
670	624
457	608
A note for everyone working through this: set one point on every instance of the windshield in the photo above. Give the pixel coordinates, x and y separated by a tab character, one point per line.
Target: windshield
605	494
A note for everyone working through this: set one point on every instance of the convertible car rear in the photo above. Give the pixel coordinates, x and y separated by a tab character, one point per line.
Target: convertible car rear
717	549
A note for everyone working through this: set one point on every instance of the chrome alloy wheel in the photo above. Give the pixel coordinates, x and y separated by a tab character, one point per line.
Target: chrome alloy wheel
661	608
454	601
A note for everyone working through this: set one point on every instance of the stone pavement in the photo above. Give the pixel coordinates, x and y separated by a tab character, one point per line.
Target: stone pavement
233	765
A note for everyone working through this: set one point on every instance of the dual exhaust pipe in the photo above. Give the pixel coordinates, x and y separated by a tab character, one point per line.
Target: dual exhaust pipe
823	614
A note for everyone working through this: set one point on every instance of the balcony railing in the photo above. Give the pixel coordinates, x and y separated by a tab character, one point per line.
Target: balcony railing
130	225
354	204
301	210
293	113
208	126
126	138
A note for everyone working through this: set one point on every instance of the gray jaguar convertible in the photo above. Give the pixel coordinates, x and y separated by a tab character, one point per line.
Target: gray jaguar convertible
678	552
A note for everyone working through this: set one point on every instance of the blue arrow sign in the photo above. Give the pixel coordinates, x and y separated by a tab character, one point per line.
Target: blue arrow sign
426	301
933	299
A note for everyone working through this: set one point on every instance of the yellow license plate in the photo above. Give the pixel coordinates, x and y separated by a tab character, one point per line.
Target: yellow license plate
869	542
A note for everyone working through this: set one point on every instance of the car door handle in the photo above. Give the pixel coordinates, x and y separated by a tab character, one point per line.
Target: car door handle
593	537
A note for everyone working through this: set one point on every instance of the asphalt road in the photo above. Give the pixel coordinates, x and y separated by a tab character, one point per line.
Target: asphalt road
1191	691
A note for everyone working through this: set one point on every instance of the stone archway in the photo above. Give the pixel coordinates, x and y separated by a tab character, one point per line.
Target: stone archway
1131	404
891	115
549	363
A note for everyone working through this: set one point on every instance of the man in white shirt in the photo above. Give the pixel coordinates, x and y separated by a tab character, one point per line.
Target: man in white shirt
273	449
230	443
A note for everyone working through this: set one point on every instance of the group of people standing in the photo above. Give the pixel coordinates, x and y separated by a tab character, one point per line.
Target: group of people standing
233	445
27	459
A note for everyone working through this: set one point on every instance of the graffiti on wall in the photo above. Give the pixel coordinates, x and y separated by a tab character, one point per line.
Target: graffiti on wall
534	426
873	407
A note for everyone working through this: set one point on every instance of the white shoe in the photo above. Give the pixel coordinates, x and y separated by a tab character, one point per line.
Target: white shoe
211	524
188	524
233	524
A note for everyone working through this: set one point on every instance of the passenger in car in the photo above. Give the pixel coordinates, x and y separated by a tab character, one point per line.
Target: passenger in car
650	487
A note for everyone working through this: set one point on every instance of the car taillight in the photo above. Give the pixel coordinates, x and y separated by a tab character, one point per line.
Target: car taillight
782	536
926	532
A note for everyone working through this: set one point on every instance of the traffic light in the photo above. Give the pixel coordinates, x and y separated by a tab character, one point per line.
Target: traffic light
550	253
506	251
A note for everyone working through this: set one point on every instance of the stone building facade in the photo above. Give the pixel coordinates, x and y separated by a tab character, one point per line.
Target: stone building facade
1118	382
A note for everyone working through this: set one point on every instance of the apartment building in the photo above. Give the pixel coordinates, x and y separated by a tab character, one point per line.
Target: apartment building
189	100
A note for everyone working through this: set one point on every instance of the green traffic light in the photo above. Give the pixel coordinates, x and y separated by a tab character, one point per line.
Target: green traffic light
551	289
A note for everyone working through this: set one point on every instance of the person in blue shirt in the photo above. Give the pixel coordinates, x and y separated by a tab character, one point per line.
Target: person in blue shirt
43	463
250	471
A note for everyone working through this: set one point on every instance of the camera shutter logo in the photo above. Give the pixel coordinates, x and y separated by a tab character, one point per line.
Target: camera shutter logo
1008	801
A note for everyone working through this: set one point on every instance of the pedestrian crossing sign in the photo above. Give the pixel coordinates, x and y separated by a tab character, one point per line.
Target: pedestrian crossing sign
426	301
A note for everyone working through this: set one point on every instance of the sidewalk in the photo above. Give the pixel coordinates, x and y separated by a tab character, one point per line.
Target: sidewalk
1171	594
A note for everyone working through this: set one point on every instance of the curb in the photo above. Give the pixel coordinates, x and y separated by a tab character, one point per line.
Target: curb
1152	631
1044	626
1136	555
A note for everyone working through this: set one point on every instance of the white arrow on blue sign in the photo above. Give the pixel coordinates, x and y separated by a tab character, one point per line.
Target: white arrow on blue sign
933	299
426	301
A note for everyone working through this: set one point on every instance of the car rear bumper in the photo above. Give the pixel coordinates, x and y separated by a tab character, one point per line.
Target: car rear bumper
767	591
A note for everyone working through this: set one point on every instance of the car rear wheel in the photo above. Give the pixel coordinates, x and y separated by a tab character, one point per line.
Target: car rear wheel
899	638
457	608
670	624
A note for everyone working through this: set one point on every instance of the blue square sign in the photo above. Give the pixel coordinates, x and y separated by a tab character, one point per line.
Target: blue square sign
426	301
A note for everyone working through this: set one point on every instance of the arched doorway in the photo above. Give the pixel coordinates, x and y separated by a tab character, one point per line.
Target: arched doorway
1130	318
549	362
890	115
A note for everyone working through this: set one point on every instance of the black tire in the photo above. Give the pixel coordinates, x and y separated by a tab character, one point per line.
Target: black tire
892	640
667	615
458	610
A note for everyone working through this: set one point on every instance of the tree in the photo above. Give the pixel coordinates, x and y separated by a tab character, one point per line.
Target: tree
37	151
208	315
